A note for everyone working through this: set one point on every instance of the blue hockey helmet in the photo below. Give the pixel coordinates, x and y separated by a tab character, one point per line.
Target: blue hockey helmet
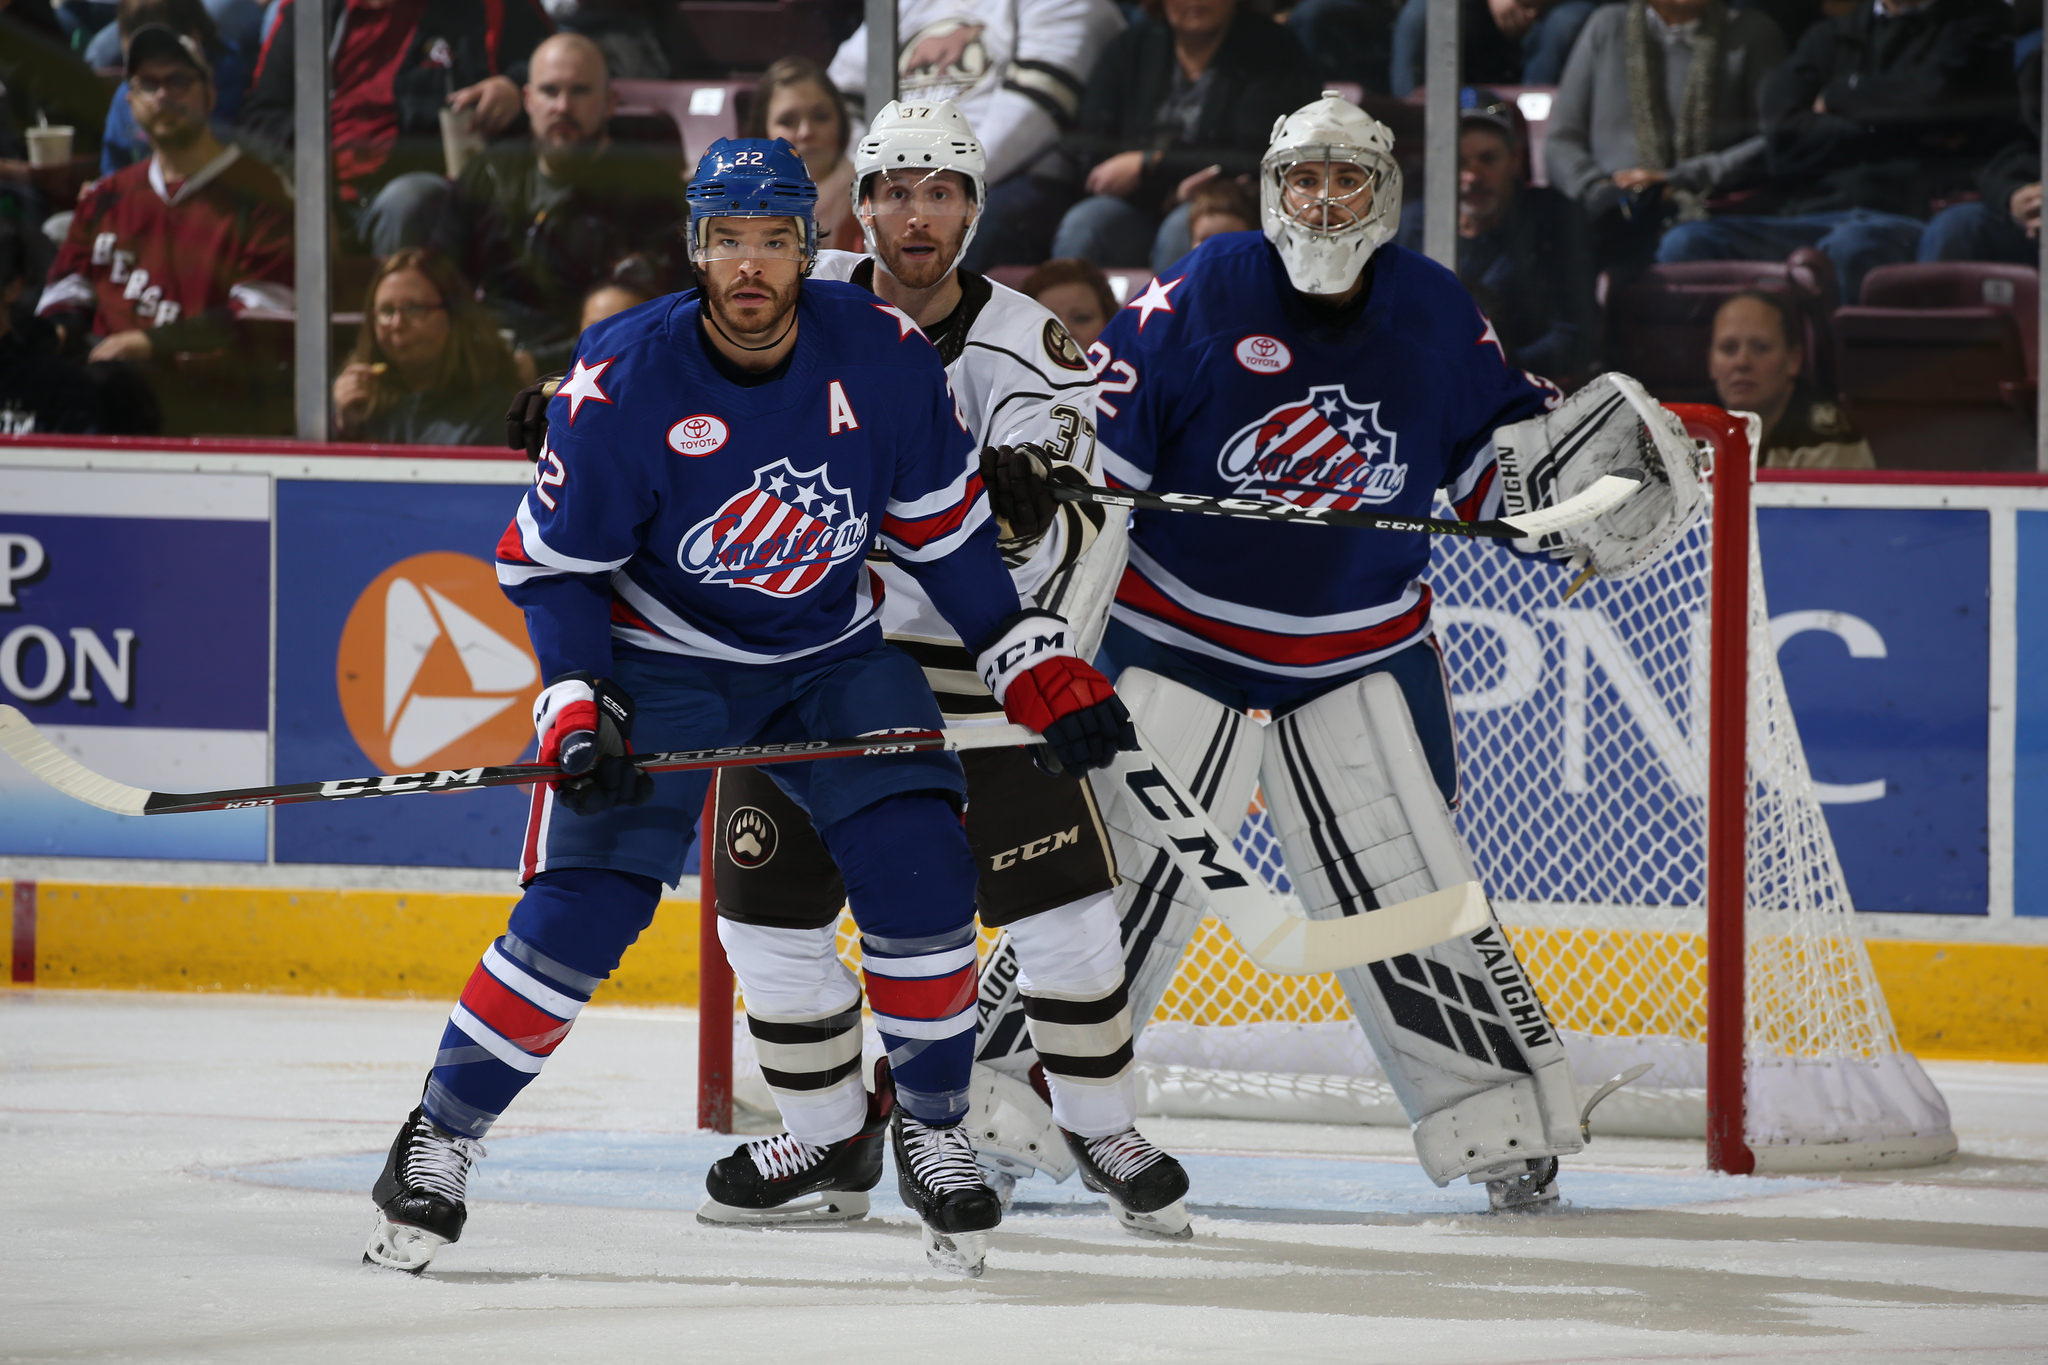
753	177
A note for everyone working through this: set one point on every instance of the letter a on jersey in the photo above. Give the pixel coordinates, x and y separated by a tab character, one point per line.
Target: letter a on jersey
781	536
842	412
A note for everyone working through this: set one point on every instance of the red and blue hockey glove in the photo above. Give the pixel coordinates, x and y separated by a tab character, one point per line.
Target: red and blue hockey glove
1030	665
584	724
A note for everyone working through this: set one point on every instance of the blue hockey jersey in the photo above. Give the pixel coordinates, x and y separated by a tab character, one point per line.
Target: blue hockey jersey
1219	379
679	510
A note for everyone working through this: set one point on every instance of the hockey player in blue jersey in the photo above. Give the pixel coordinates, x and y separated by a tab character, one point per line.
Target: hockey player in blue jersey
1318	363
690	561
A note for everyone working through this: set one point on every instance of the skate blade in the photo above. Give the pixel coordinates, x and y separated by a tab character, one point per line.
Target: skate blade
1507	1197
826	1208
400	1246
1168	1224
956	1253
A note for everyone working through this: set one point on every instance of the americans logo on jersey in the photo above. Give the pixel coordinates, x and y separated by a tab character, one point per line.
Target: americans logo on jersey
781	536
1324	450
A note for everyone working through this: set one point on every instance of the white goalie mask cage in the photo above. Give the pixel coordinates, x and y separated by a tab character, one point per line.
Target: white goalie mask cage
1326	241
920	135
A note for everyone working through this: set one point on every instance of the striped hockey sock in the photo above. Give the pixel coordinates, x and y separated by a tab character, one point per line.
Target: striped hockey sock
922	991
513	1014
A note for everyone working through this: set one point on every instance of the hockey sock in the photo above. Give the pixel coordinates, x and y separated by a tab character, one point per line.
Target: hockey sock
1072	979
803	1010
910	884
522	997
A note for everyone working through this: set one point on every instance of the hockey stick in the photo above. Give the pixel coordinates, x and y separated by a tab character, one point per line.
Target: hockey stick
1270	925
28	746
1602	495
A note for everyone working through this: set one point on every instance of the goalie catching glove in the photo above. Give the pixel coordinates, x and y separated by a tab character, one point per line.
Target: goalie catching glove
1609	427
1030	666
584	724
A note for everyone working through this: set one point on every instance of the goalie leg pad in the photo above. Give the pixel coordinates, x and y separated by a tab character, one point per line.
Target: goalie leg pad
1364	824
1214	749
1072	984
803	1010
1013	1127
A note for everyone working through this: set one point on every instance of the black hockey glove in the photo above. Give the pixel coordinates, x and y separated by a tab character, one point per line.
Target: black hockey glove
585	725
1018	480
526	421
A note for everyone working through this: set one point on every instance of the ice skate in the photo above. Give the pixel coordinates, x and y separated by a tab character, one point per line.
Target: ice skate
420	1195
1519	1191
783	1181
1145	1187
937	1177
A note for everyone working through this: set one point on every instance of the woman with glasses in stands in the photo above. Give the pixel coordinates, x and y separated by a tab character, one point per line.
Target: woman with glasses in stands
429	367
1757	361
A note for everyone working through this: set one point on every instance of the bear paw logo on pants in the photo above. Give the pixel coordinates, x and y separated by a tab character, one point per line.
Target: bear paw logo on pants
750	837
433	668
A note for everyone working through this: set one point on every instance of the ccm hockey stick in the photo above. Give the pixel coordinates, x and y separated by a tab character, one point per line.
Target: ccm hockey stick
1602	495
1271	928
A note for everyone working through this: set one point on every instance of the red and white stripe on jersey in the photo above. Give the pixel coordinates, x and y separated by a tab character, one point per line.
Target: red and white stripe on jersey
935	525
767	519
931	995
524	556
512	1014
1157	605
640	618
540	814
1475	493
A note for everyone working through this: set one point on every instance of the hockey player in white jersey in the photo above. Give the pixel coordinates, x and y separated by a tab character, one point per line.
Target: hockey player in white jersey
1317	363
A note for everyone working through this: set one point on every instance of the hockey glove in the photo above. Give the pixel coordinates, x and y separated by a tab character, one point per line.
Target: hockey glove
526	421
1018	480
584	724
1030	665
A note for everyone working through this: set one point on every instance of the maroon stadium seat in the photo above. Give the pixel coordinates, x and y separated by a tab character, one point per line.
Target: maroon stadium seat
1937	365
1660	325
703	111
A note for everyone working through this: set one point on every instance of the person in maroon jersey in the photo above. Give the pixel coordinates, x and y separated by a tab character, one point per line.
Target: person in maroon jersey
164	257
395	65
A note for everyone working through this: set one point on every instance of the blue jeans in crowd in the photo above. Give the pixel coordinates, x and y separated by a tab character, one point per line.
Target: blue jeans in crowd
1978	232
1111	232
1857	241
1536	58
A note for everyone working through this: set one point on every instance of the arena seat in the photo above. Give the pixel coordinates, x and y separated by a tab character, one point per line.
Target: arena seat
1936	364
1660	325
703	111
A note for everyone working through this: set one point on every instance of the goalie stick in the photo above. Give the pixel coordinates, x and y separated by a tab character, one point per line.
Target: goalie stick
1602	495
1270	927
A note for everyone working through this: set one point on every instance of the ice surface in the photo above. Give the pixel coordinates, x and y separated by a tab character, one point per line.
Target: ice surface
184	1178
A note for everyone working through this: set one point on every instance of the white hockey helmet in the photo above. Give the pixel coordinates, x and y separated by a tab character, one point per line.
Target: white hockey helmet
926	135
1325	239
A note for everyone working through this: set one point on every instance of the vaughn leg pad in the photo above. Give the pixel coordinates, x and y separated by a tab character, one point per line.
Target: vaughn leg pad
1363	824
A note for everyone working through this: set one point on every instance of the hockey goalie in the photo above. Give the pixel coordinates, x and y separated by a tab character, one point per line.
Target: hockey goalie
1317	363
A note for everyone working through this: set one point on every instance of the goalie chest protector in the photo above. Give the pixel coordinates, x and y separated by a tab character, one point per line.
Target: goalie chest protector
1218	378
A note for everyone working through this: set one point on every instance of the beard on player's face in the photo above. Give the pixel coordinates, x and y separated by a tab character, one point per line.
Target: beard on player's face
919	251
752	302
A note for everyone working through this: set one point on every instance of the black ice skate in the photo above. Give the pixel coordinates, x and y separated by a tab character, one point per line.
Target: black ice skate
1144	1185
783	1181
937	1177
420	1195
1527	1185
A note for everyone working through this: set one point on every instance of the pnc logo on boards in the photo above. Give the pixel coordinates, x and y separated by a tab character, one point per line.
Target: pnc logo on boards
433	668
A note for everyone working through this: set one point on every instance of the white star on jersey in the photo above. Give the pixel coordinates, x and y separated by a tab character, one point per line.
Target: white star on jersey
1489	337
581	387
1153	300
904	326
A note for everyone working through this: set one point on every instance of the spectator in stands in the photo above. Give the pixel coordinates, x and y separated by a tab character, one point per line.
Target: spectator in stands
40	391
122	142
1506	42
798	101
1221	204
395	65
2006	224
1017	69
1348	40
1876	115
538	223
1522	249
429	367
164	256
1190	91
1757	361
629	284
626	31
1078	294
235	23
1657	113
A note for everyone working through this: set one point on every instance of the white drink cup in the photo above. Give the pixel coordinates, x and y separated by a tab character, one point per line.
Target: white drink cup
49	145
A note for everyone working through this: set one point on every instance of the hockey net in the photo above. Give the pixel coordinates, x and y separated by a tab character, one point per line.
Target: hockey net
1583	754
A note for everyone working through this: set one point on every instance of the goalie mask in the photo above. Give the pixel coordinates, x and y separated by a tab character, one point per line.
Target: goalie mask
1329	193
920	136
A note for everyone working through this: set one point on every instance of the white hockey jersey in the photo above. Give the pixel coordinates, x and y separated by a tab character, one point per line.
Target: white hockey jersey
1017	376
1015	67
